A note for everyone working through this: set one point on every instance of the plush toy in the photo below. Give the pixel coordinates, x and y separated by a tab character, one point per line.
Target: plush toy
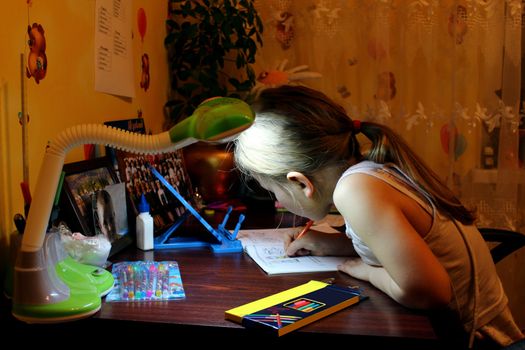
37	59
279	76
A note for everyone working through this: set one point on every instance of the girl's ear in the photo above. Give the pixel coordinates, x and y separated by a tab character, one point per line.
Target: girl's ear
306	185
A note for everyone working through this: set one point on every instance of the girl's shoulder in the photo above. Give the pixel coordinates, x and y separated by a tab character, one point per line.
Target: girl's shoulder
366	203
388	173
369	183
363	186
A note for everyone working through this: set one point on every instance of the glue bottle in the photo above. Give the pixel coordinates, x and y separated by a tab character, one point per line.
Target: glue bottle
144	227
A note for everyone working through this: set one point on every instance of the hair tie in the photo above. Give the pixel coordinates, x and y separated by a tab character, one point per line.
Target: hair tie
356	126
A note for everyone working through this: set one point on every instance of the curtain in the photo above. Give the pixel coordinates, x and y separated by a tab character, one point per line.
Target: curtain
446	75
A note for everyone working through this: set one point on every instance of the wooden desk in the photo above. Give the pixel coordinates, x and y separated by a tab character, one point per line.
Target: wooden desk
214	283
217	282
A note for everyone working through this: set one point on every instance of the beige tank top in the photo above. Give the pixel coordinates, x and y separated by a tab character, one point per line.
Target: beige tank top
478	296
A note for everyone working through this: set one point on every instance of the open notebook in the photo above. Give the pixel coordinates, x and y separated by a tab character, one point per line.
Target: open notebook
266	248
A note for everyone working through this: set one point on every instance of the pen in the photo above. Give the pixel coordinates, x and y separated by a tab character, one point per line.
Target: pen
26	193
305	229
123	283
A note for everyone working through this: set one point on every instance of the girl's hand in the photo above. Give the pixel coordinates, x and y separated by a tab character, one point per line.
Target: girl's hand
299	247
318	243
356	268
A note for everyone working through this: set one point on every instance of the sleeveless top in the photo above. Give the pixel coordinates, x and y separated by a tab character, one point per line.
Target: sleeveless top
478	296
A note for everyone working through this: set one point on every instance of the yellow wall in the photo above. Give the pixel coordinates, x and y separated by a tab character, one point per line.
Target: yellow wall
66	96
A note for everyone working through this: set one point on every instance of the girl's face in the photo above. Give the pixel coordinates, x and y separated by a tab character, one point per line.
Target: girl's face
294	199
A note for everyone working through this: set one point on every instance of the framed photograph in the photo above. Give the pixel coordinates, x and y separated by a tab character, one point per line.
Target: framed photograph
94	201
135	125
139	180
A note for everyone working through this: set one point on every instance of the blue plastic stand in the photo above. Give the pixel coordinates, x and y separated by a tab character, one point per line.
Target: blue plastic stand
226	241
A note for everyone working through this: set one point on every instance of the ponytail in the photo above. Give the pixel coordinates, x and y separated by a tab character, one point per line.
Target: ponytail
389	147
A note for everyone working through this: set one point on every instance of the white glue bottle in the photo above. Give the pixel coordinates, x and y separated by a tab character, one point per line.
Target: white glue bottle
144	227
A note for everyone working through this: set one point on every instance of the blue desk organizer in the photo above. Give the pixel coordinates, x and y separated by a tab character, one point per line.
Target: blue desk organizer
226	241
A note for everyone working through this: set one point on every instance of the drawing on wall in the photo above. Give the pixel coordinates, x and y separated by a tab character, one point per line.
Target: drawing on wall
142	23
37	59
144	81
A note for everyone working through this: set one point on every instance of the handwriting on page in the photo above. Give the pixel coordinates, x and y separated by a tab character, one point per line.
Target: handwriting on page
276	255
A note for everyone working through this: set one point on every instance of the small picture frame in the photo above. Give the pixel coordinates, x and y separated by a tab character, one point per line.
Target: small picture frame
93	201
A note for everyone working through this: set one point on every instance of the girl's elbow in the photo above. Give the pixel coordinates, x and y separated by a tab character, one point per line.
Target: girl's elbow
439	299
426	299
441	294
435	294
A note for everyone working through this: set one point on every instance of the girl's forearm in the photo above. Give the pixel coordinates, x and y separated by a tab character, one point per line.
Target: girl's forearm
418	299
338	244
380	279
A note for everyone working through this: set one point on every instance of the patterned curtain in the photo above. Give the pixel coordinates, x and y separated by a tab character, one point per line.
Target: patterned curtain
444	74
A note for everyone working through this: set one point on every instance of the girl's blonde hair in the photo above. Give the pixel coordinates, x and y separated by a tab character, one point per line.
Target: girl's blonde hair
300	129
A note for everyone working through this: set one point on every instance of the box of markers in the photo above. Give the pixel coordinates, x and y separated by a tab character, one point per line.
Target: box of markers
146	281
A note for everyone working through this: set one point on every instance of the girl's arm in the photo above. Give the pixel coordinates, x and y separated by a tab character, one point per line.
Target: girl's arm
378	213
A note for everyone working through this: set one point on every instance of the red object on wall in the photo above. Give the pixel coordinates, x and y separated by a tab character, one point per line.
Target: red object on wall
141	22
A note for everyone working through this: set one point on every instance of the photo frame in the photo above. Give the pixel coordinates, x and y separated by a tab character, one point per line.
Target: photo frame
93	201
164	207
135	125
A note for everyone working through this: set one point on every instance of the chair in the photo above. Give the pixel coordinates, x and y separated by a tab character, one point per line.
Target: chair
509	241
519	345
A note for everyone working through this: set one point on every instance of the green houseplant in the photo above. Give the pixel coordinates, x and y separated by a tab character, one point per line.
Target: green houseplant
211	45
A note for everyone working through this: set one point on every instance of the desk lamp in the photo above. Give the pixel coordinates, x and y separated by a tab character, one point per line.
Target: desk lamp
43	292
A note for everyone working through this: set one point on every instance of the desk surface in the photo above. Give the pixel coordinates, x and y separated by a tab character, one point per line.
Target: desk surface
214	283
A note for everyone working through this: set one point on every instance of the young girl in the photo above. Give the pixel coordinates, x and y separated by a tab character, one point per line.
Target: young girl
406	232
